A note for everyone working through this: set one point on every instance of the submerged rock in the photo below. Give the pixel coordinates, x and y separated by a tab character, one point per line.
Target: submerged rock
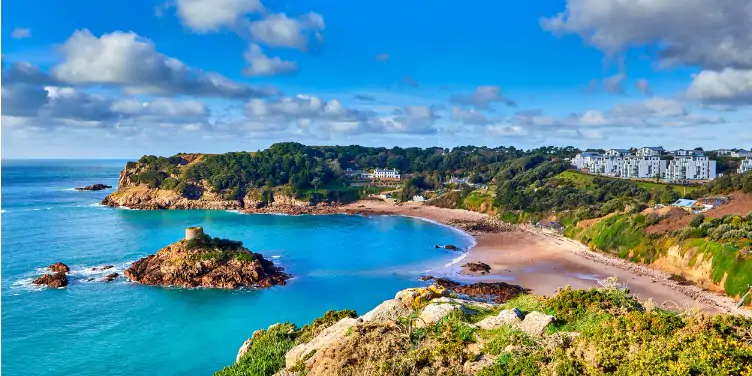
206	262
59	267
54	280
110	277
94	187
450	247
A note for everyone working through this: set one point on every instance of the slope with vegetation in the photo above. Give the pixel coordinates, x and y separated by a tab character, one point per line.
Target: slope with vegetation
597	332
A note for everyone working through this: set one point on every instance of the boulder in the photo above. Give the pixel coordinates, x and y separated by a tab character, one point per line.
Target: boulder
389	310
110	277
465	304
94	187
323	340
55	280
483	361
59	267
414	297
535	323
477	267
505	317
499	292
433	313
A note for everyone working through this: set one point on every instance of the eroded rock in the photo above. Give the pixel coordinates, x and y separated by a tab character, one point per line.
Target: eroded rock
59	267
324	339
505	317
389	310
535	323
54	280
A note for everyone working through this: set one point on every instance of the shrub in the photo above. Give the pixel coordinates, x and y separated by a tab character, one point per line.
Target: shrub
697	220
266	355
570	305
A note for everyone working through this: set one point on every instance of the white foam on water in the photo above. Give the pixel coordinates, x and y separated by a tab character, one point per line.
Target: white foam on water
456	260
3	211
25	284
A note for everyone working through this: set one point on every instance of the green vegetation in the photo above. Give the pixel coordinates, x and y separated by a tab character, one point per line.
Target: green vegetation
218	249
268	348
587	179
597	332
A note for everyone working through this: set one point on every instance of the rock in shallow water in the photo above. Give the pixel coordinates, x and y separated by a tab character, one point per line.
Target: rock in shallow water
55	280
59	267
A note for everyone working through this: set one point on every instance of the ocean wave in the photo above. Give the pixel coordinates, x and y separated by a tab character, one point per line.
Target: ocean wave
456	260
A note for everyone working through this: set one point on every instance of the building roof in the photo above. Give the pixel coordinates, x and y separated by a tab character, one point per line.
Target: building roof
684	203
655	148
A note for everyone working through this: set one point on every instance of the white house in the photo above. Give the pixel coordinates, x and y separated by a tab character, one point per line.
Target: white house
746	166
418	198
742	154
385	173
691	165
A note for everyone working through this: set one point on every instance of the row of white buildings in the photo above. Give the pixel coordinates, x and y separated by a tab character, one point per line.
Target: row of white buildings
646	163
746	165
378	173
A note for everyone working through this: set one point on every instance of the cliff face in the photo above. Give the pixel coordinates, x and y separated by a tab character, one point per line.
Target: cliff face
132	193
206	263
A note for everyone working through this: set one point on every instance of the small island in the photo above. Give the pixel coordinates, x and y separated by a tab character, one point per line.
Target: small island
94	187
202	261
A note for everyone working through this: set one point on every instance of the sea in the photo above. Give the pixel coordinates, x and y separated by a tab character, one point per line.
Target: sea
92	327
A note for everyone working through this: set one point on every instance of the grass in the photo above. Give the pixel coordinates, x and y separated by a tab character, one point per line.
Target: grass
266	355
587	179
727	263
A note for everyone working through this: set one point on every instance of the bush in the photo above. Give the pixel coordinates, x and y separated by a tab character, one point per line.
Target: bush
697	220
266	355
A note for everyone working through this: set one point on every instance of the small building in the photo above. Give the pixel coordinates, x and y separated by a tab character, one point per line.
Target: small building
684	204
419	198
385	173
746	165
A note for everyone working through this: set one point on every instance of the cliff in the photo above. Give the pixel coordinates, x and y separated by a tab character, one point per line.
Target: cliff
169	183
206	262
430	331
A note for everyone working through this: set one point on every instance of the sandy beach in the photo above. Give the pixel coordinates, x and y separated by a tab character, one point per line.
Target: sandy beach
544	261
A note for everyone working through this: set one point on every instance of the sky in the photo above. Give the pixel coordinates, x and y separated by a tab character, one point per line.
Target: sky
104	79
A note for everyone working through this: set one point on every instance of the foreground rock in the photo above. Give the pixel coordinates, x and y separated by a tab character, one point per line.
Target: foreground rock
202	261
54	280
477	267
95	187
59	267
498	292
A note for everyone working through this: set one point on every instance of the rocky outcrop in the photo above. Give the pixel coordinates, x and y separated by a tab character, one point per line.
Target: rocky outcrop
54	280
389	310
206	262
59	267
110	277
433	313
143	198
535	323
326	338
498	292
505	317
477	267
94	187
449	247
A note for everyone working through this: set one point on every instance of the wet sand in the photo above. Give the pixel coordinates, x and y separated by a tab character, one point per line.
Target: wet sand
544	261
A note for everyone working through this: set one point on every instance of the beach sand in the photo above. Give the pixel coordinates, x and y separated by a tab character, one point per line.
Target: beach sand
544	261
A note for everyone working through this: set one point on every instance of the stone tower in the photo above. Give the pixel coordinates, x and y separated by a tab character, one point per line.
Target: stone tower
193	232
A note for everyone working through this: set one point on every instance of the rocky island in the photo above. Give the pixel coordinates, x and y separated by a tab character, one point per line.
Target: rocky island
56	279
94	187
202	261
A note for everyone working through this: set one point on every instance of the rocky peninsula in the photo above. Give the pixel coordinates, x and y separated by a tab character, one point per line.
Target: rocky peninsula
202	261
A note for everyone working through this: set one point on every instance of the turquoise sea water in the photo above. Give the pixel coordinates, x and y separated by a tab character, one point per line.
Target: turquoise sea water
121	328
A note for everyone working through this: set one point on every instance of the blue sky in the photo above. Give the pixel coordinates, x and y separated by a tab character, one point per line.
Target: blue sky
122	79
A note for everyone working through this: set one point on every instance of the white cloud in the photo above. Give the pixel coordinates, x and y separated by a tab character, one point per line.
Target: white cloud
22	99
278	30
262	65
713	34
651	107
23	72
506	130
210	15
729	86
20	33
482	98
471	116
125	59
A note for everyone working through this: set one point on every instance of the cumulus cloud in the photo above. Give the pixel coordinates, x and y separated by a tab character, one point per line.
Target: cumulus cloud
23	72
262	65
20	33
729	86
471	116
651	107
482	98
506	130
125	59
203	16
279	30
712	34
59	106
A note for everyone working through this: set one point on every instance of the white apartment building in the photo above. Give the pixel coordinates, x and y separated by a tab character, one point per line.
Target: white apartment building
621	163
385	173
690	165
746	165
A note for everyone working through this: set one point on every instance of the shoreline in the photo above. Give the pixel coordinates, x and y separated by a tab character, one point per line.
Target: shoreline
537	259
544	261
